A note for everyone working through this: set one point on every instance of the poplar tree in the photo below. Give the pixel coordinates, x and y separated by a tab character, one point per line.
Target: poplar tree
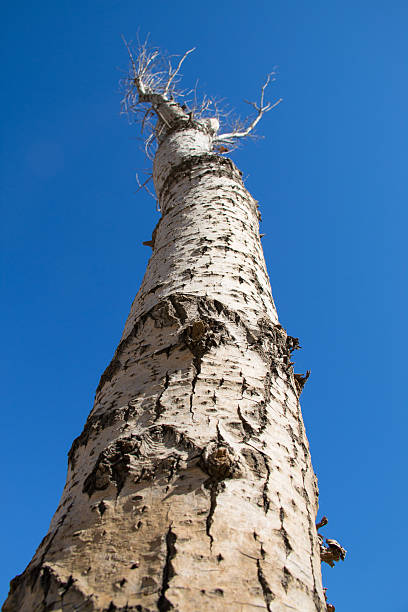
191	486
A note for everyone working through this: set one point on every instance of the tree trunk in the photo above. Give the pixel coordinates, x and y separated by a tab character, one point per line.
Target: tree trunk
191	486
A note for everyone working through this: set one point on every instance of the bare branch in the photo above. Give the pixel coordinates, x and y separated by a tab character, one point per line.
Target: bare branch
173	74
147	115
150	90
149	142
144	185
132	61
152	96
141	185
261	109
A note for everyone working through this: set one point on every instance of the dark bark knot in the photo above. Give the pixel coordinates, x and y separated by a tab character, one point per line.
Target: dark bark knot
202	335
219	462
141	456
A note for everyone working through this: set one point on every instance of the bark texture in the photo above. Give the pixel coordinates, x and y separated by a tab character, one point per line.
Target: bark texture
191	486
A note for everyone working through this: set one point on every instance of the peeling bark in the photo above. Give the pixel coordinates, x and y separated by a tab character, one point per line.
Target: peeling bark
196	441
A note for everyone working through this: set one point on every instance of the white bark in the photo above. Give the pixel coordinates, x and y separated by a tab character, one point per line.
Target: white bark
191	487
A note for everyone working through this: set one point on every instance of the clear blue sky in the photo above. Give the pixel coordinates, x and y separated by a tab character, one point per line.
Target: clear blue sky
331	179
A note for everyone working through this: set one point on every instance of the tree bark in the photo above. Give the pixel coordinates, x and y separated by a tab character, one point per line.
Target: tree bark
191	486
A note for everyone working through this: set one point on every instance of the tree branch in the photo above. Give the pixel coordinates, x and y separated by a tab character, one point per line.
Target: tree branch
261	109
152	96
173	74
150	89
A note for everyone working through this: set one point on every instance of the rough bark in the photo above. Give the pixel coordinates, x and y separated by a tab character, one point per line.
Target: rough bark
191	486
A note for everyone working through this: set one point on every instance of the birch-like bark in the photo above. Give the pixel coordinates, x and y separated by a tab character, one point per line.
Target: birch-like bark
191	486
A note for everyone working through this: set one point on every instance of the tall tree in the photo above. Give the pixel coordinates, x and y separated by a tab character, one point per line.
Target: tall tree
191	486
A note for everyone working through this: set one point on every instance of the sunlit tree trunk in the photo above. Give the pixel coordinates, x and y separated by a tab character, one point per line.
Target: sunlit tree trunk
191	486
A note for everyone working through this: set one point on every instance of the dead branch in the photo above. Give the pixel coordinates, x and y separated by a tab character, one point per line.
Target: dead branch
150	85
174	73
152	96
261	109
151	93
144	184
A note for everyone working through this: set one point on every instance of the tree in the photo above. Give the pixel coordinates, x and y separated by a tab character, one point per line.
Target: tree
191	486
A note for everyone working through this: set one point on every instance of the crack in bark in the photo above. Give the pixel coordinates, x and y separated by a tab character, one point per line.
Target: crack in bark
265	498
197	371
284	533
66	588
286	579
200	337
214	490
159	408
163	604
268	595
249	431
45	583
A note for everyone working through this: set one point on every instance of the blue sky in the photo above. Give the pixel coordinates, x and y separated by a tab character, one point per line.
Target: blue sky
330	176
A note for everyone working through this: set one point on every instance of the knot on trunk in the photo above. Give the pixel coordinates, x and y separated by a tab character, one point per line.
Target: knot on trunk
112	466
159	449
200	336
220	462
